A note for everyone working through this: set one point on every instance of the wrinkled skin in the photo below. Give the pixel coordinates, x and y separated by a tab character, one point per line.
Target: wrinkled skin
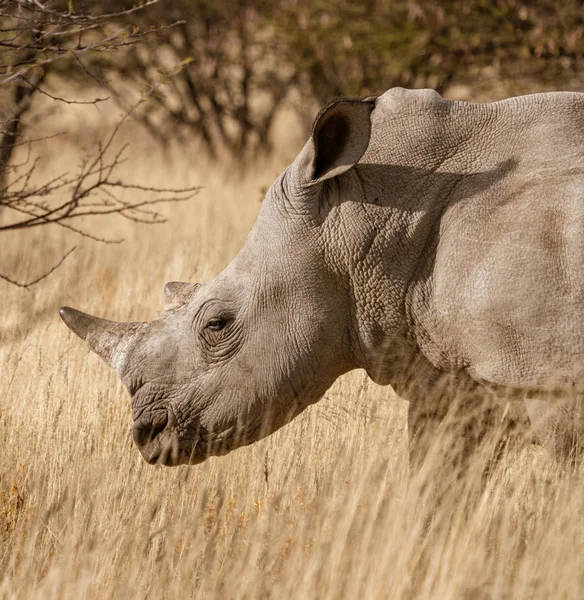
437	245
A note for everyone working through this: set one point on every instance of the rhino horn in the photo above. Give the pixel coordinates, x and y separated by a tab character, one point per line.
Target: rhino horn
173	289
108	339
177	292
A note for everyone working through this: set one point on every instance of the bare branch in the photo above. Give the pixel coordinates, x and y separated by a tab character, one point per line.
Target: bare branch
38	279
37	39
38	89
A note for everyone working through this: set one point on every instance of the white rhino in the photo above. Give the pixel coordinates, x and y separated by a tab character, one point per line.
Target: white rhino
438	245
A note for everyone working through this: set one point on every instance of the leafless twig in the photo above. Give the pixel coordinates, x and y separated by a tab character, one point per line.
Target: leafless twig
39	39
28	284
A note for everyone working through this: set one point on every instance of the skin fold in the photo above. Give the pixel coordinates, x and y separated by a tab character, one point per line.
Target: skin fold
438	245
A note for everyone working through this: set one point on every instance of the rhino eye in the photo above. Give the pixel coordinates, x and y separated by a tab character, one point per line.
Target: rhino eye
219	336
216	324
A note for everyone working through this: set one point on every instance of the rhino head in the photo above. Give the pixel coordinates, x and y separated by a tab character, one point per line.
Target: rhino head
232	360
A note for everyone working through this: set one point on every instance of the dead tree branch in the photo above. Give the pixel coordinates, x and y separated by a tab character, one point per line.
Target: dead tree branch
41	40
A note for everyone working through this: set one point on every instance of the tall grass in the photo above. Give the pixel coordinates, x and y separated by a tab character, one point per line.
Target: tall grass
322	509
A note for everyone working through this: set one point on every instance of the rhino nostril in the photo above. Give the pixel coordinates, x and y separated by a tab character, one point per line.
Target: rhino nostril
147	428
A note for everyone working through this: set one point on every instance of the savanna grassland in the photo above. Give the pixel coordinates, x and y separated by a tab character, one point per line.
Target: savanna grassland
322	509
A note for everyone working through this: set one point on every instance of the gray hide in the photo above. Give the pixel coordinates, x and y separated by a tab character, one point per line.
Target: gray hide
420	239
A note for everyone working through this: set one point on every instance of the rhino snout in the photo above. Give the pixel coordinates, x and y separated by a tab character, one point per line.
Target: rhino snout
155	436
147	428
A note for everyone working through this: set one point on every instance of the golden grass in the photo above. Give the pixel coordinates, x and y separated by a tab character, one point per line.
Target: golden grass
322	509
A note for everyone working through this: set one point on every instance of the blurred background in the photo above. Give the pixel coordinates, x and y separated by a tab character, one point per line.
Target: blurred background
233	66
249	60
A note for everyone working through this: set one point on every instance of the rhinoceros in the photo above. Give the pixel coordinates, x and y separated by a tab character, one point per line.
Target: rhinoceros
420	239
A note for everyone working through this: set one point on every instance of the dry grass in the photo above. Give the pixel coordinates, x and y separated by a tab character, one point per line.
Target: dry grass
322	509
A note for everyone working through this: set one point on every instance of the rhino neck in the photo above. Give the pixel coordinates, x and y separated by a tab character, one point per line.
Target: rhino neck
376	244
384	219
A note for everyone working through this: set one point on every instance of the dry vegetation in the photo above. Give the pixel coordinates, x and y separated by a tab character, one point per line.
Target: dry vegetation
322	509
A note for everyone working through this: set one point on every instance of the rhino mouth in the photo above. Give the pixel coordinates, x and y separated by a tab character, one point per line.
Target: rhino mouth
170	450
169	456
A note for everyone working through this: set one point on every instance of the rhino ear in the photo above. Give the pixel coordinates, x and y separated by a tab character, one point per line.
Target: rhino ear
340	136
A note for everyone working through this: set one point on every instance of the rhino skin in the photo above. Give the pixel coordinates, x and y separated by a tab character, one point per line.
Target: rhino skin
438	245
